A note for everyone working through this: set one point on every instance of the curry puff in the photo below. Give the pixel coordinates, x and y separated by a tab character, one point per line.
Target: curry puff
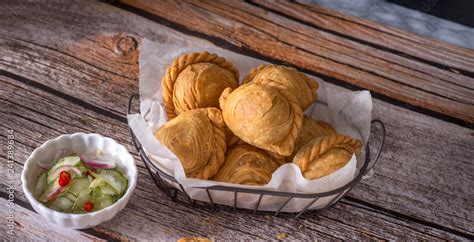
247	165
263	116
197	137
288	78
324	155
310	129
196	80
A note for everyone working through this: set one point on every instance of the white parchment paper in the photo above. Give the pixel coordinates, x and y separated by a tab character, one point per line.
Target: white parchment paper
349	112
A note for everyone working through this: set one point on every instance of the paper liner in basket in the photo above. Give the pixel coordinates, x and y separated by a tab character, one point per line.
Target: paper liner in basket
349	112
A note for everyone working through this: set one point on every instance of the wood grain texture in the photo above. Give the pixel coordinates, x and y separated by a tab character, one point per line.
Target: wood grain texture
99	51
397	76
150	214
29	226
407	196
393	39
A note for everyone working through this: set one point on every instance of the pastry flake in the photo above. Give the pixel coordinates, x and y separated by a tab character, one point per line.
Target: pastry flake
263	116
197	138
246	165
292	80
325	155
196	80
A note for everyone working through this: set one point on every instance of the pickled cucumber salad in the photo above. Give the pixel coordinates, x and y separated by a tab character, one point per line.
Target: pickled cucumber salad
81	184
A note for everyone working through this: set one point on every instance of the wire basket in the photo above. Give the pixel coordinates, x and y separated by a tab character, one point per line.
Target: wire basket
176	192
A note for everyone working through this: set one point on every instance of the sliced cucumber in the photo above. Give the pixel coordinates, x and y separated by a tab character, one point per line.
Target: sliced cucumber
83	197
96	183
102	201
106	189
51	179
78	185
96	192
40	185
69	160
114	179
124	184
107	186
82	168
69	196
53	187
49	189
62	204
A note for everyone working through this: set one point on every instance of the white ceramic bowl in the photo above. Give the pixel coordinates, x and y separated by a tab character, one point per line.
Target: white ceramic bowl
79	143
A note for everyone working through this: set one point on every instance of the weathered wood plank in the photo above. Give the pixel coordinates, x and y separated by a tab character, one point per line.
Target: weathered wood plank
426	169
84	51
87	53
411	44
432	182
29	226
345	50
160	217
280	38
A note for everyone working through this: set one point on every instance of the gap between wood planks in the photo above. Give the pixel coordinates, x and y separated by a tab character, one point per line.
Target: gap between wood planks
357	202
249	52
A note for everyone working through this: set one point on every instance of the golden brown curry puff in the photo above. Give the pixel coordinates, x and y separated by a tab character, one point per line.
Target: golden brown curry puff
262	116
324	155
310	129
197	138
297	83
196	80
247	165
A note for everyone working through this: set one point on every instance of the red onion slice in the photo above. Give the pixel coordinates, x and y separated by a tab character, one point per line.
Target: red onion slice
99	165
52	195
100	161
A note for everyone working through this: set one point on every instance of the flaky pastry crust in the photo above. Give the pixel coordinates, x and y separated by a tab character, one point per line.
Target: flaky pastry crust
196	80
310	129
197	138
248	165
290	79
263	115
324	155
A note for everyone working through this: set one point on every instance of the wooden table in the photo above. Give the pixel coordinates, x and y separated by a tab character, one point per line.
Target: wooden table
71	66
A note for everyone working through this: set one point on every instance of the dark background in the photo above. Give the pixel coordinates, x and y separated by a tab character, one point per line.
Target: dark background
459	11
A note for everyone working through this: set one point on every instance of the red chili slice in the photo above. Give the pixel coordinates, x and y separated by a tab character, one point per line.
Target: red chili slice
88	206
64	178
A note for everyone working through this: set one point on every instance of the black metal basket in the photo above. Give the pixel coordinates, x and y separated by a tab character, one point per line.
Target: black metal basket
164	182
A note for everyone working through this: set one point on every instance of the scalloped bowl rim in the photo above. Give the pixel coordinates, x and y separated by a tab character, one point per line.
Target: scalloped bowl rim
55	213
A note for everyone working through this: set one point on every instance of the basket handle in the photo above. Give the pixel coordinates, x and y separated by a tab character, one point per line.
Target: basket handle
136	143
377	156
